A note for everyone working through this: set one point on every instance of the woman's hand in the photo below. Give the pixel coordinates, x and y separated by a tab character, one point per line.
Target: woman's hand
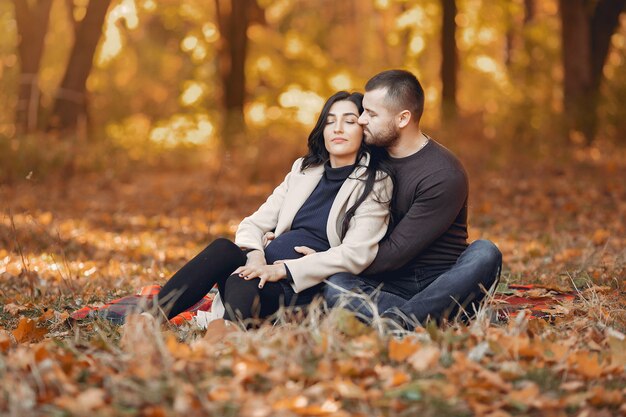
266	273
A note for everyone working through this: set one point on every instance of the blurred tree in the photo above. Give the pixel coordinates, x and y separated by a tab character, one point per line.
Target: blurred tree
587	27
449	61
32	25
234	18
70	104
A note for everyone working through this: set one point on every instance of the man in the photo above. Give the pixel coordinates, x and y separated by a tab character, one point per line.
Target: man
424	267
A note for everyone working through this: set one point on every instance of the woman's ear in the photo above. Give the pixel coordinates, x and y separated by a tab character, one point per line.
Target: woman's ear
404	118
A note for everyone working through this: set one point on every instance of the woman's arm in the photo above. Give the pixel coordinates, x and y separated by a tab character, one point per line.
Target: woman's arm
250	232
358	248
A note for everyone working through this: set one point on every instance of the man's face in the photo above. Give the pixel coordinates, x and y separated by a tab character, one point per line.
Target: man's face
378	120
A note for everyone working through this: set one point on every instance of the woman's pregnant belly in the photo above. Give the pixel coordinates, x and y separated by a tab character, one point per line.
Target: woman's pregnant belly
282	247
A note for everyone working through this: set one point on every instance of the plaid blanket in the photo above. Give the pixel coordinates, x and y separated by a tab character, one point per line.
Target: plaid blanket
117	310
537	300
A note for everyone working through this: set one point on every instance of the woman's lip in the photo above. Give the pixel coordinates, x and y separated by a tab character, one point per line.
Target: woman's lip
339	140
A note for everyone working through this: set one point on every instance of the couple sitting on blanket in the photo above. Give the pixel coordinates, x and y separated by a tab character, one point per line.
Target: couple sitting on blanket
375	207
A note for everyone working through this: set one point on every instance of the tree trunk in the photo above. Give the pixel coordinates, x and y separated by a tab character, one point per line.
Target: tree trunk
530	11
233	18
70	103
587	28
32	26
604	23
449	63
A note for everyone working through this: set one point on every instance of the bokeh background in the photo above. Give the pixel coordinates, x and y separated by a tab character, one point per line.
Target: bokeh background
133	132
146	81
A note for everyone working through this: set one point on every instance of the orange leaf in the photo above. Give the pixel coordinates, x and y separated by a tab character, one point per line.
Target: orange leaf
617	343
600	397
6	340
13	309
425	358
27	331
217	329
178	350
292	403
347	389
399	378
587	364
525	396
600	236
399	350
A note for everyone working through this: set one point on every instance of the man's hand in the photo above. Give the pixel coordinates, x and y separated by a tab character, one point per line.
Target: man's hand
255	258
305	250
267	238
266	273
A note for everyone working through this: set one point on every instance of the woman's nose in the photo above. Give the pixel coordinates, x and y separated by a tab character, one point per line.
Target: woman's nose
338	127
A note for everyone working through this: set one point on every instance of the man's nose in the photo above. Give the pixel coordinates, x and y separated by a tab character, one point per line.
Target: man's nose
362	120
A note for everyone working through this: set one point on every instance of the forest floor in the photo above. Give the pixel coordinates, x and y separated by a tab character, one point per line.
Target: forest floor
88	239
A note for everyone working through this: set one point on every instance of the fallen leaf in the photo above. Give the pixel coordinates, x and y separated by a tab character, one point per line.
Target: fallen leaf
87	401
399	350
291	403
572	385
14	309
424	358
525	396
7	340
398	378
586	364
218	329
600	236
600	397
27	331
617	343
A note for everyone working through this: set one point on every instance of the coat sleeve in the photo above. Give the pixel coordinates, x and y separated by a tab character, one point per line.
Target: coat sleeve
250	232
358	247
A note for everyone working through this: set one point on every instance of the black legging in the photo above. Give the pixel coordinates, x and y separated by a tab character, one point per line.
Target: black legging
242	299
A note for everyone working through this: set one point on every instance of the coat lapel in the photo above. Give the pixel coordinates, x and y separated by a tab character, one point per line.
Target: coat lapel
301	187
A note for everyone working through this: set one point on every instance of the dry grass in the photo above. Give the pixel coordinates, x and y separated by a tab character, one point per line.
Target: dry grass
92	238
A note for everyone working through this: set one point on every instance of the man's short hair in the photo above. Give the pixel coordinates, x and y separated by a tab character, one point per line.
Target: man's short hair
404	91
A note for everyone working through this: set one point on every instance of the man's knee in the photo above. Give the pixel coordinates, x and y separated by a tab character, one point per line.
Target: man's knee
488	252
490	262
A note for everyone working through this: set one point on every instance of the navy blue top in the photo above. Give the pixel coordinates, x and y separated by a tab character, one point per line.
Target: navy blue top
309	224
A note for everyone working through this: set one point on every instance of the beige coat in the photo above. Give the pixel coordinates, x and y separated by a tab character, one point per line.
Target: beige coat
352	254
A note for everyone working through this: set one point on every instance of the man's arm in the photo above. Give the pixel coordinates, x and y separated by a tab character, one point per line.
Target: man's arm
435	207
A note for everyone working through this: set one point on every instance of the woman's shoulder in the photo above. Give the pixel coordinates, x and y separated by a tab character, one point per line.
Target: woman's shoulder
297	165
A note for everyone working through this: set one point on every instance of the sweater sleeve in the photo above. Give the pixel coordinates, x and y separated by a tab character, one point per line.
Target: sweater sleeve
250	232
435	207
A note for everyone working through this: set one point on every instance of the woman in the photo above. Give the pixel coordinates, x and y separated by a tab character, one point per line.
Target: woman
334	201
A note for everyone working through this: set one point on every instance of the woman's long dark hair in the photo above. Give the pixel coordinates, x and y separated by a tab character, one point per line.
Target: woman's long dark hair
318	155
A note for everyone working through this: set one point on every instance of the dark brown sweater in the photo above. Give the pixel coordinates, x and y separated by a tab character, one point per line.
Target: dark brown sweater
429	212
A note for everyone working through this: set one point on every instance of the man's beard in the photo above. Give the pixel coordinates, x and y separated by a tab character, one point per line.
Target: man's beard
385	138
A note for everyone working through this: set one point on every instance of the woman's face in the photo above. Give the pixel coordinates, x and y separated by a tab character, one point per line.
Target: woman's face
343	134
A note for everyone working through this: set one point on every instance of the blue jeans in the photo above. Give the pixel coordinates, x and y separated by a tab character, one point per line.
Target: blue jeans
439	294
